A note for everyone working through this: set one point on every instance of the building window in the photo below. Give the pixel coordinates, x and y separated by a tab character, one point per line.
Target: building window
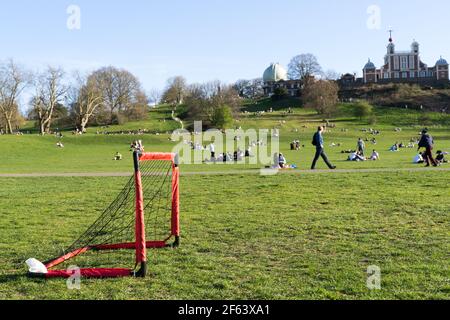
404	75
396	62
404	61
386	75
412	74
412	62
423	74
396	75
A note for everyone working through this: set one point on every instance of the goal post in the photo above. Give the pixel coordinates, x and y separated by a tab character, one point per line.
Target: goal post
145	215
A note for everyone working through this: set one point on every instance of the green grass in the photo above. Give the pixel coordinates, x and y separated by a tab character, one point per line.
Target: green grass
94	153
293	236
248	237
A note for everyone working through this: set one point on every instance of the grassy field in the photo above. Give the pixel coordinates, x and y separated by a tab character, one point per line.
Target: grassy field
94	153
289	237
244	236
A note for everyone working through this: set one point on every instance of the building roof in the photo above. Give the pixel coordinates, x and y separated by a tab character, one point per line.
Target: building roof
441	62
369	65
275	73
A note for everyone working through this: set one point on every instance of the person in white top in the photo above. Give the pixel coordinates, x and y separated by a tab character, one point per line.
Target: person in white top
375	156
212	149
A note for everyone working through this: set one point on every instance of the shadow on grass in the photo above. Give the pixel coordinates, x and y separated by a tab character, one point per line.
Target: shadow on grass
5	278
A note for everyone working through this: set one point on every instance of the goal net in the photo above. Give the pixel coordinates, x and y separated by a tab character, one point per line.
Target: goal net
145	215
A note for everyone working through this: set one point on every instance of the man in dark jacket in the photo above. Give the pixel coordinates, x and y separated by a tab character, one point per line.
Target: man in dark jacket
320	152
427	142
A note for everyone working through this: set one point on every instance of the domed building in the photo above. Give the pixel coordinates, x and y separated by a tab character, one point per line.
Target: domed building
406	67
274	73
276	76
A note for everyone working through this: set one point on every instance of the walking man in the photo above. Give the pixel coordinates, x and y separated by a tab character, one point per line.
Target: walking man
320	152
427	142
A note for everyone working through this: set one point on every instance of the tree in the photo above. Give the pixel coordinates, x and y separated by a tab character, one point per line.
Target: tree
362	109
16	121
50	92
155	96
280	94
175	91
241	85
331	75
13	80
321	95
250	89
222	117
304	66
86	99
120	89
203	100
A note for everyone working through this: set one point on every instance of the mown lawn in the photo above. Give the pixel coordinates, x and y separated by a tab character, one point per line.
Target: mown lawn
248	237
94	153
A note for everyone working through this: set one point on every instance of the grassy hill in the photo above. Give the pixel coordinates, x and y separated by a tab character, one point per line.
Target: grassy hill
401	95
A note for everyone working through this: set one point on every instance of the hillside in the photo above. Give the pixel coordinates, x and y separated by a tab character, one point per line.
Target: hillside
402	95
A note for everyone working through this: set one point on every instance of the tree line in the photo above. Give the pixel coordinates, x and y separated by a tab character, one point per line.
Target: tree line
214	103
110	95
103	97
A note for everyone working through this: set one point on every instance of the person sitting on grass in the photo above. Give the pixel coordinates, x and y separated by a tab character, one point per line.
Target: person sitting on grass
394	148
440	157
282	161
118	157
375	156
356	156
418	159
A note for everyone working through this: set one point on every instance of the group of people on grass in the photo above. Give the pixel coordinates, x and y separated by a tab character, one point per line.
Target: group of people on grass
426	142
236	156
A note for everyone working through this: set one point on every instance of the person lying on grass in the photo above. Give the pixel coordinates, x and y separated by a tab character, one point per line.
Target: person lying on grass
440	157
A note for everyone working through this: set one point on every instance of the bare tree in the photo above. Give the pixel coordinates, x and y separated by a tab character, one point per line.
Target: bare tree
331	75
85	99
120	89
175	91
50	92
155	96
304	66
13	80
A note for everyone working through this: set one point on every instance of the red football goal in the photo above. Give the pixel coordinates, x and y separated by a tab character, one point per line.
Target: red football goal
145	215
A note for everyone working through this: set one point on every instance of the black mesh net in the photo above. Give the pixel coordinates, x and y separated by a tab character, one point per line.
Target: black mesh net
116	225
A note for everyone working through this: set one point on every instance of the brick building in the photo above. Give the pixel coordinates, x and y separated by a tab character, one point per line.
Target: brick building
405	67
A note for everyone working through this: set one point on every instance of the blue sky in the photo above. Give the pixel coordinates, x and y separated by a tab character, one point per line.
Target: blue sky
211	39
